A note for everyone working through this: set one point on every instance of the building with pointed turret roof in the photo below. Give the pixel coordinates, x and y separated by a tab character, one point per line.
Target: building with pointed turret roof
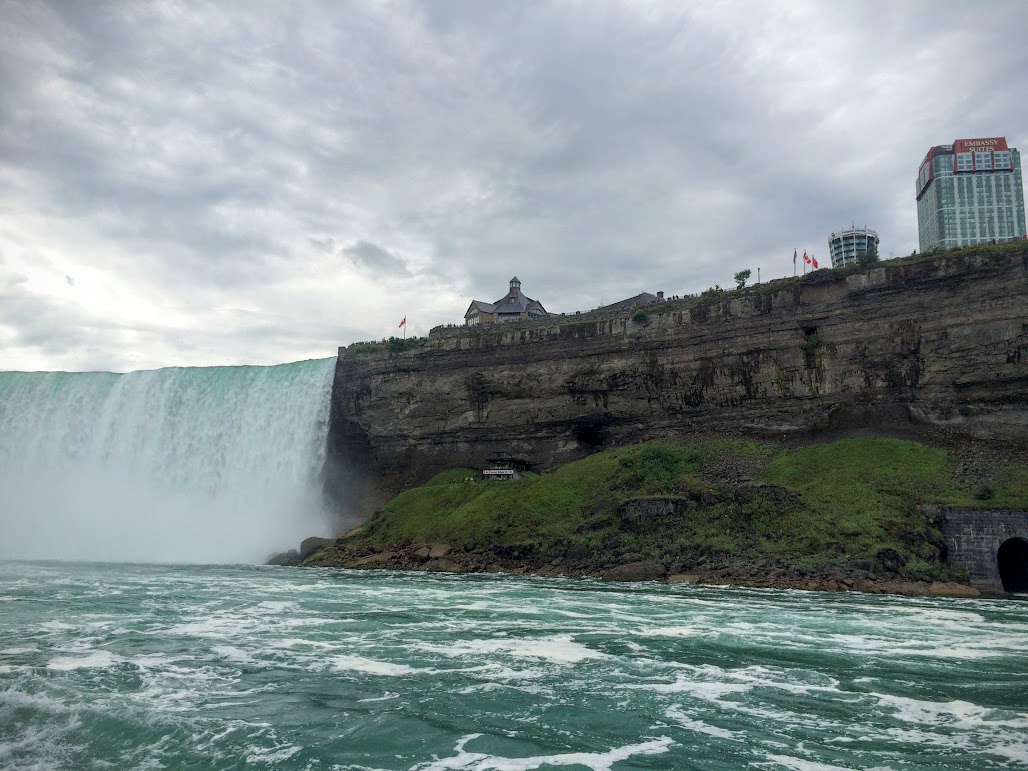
513	306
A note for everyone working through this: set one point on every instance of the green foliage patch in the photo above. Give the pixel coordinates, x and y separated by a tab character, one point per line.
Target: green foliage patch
392	345
839	504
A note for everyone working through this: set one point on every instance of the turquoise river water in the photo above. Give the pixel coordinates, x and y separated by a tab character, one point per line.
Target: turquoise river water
114	666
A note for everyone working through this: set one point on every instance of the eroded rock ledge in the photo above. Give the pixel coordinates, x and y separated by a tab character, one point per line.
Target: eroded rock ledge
516	560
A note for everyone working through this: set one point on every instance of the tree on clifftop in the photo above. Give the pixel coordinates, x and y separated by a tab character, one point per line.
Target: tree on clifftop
741	278
869	258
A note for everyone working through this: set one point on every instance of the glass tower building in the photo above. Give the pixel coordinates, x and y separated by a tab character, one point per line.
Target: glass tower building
845	245
970	192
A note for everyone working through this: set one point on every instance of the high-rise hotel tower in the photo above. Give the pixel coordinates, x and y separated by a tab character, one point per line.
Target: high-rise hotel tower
970	192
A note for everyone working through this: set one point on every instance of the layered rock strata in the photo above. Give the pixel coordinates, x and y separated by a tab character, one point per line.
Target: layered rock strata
935	349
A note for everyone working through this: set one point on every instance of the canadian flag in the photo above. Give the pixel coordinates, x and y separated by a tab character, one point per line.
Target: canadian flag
814	260
403	323
806	259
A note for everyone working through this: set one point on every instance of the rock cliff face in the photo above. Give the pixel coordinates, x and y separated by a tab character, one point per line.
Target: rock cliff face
936	348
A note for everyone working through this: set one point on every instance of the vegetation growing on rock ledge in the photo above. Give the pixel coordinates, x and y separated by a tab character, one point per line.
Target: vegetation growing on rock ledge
845	511
392	345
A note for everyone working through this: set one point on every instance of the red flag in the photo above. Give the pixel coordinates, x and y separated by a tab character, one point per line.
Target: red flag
814	260
806	259
404	322
793	256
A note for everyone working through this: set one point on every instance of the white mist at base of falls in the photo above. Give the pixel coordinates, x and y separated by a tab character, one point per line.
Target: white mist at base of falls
212	464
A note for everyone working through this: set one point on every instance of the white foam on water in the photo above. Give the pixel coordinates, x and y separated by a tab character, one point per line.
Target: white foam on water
371	667
559	649
712	683
482	688
671	631
18	650
963	742
939	647
279	606
298	642
387	697
479	605
233	654
931	617
56	626
783	680
94	660
799	764
153	660
962	714
18	699
676	714
1016	751
952	651
272	755
42	744
596	761
495	671
216	627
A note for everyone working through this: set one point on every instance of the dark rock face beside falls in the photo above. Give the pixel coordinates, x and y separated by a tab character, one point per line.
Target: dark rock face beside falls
935	349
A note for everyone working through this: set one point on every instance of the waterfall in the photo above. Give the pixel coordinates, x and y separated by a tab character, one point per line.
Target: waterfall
199	464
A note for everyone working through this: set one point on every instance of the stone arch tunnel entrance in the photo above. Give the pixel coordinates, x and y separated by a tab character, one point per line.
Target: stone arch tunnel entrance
991	545
1012	558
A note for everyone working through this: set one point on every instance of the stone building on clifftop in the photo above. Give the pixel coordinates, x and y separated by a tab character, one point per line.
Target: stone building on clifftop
513	306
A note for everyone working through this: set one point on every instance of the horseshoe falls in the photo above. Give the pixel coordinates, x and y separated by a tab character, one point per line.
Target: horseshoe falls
211	464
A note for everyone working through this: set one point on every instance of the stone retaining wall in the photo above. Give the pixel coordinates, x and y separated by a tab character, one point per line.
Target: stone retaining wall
973	538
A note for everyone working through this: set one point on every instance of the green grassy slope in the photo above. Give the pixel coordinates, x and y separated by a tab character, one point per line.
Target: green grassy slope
829	506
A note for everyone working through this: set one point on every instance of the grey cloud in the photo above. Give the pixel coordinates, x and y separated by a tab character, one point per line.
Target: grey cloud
222	150
373	257
327	245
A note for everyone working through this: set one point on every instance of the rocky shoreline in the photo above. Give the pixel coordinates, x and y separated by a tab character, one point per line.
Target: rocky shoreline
344	552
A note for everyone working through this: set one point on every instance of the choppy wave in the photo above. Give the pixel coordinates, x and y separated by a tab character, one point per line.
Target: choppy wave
149	667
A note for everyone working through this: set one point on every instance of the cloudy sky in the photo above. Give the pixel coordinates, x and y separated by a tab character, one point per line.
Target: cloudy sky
197	183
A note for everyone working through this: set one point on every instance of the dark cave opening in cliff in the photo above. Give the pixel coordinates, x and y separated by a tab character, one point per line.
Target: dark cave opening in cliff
591	434
1013	565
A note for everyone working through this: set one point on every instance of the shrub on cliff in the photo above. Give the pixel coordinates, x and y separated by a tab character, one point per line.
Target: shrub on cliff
869	258
392	345
713	294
